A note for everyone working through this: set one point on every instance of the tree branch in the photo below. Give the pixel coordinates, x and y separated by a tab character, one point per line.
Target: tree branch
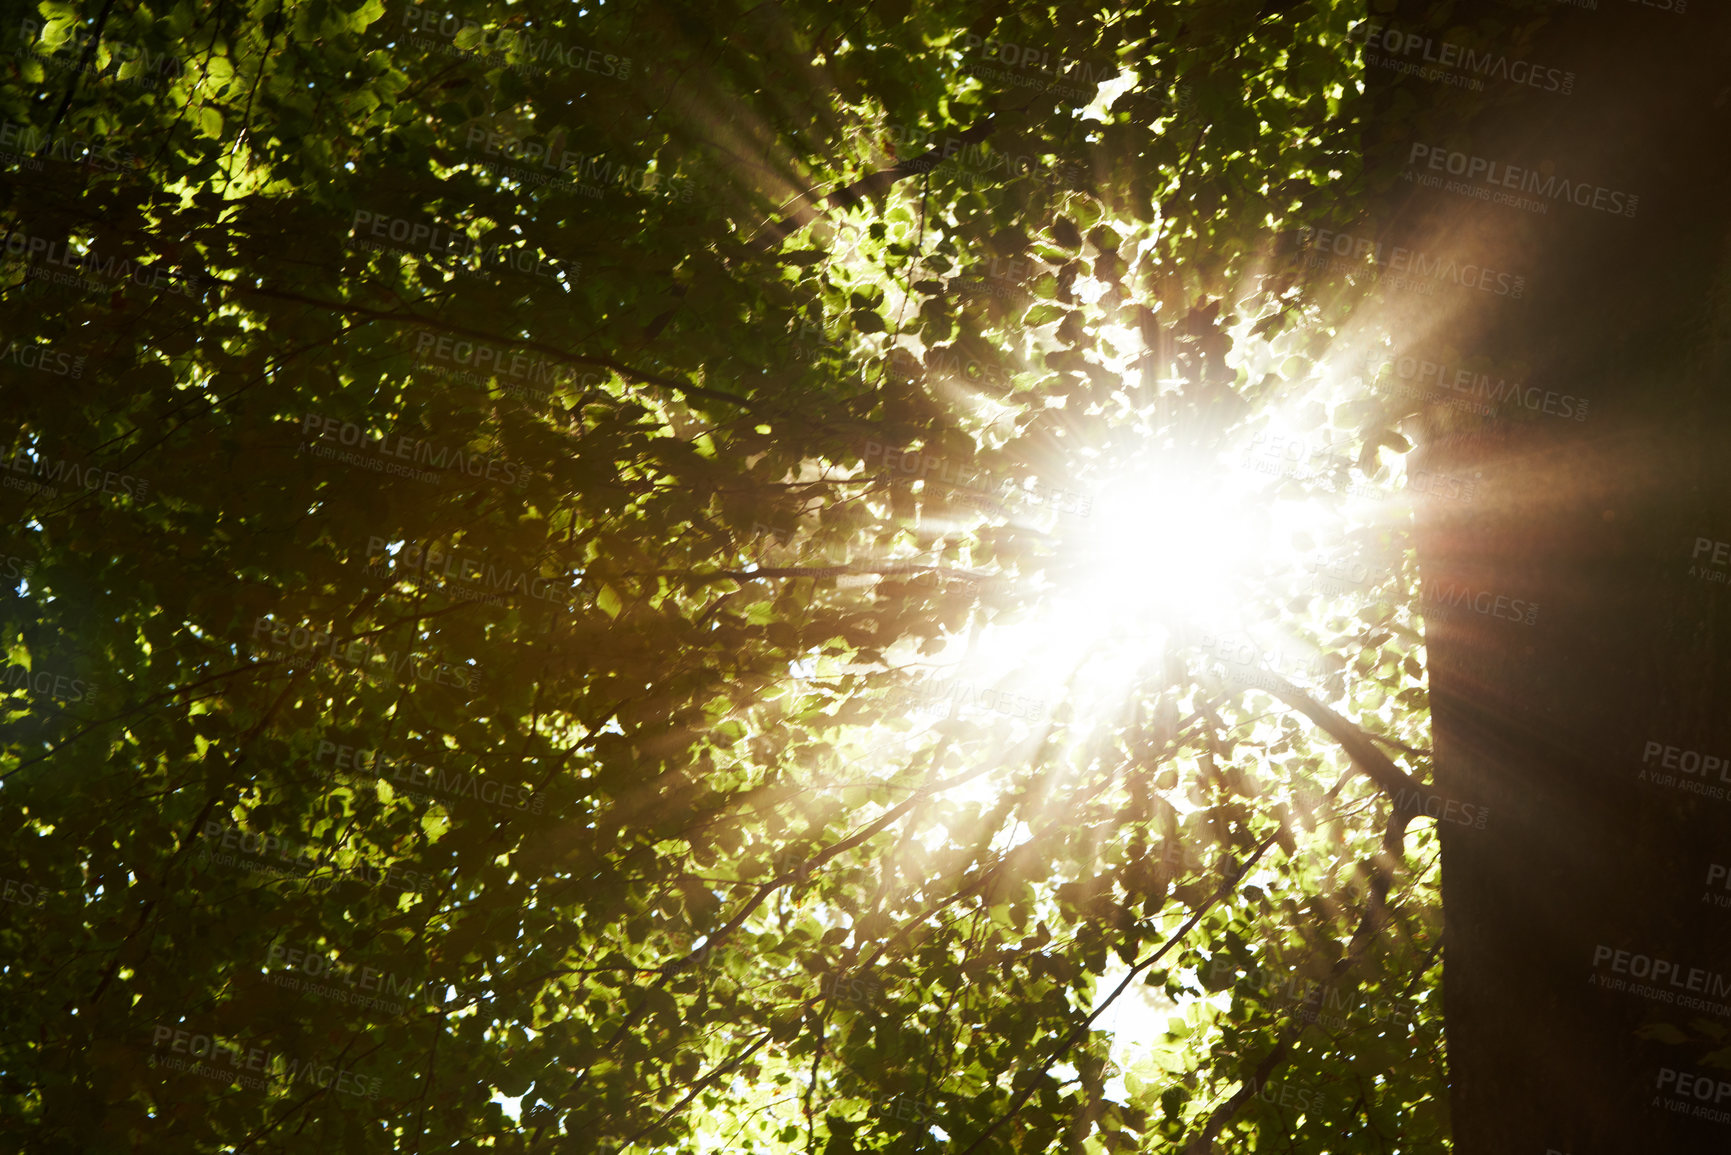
552	352
874	184
1370	924
1373	763
1226	887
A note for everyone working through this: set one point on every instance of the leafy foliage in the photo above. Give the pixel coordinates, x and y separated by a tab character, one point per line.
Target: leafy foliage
502	591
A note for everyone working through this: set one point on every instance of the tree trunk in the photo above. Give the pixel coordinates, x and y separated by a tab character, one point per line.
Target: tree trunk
1587	961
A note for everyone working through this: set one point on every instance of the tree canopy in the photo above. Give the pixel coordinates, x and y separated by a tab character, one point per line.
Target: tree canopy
572	583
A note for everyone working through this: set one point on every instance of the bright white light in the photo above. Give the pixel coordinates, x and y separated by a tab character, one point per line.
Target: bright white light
1164	545
1172	549
1136	1021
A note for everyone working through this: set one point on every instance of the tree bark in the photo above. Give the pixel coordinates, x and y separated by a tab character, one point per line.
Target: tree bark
1585	734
